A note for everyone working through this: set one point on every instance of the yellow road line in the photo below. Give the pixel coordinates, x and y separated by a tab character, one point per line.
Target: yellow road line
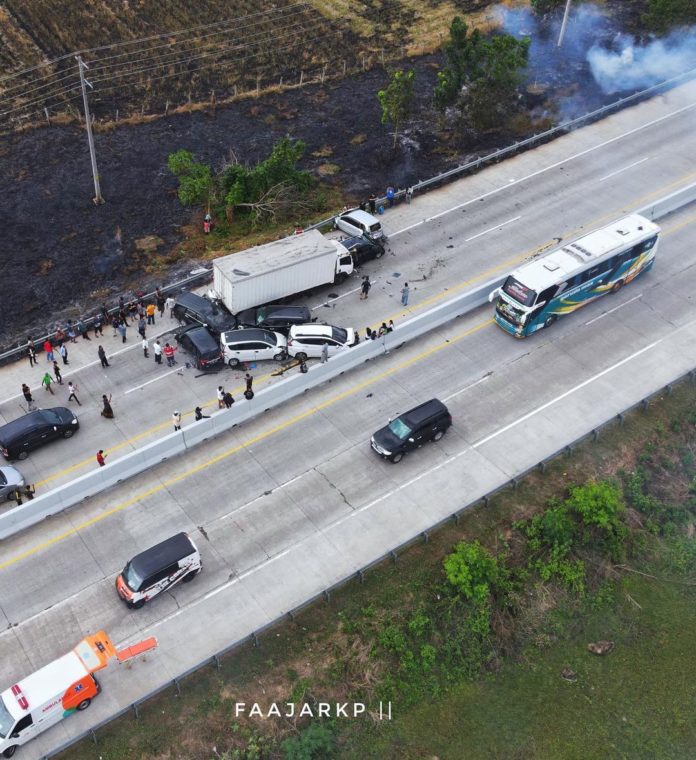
508	263
352	390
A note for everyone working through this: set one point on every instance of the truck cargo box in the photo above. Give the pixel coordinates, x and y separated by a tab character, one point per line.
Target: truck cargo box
275	270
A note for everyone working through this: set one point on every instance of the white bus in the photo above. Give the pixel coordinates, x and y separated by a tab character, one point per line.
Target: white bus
601	262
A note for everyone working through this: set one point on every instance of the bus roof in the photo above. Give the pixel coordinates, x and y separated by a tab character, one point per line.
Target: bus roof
577	255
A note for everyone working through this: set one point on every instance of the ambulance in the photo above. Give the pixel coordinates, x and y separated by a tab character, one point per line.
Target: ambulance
44	698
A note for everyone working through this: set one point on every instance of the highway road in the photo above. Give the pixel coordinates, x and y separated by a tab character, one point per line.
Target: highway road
287	505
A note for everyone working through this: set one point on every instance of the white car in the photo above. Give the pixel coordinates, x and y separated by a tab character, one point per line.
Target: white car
254	344
357	222
10	480
307	341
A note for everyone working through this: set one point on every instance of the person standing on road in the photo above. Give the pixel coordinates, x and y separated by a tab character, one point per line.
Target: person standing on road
145	347
324	353
390	326
169	354
31	353
404	294
84	331
372	202
102	356
122	330
169	303
101	456
365	288
176	419
98	326
46	382
390	196
56	373
141	327
26	392
48	348
221	397
107	411
249	381
72	390
160	303
409	194
157	348
150	310
63	351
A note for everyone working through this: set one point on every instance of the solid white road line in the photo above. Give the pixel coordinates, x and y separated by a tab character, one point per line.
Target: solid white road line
616	308
512	183
492	229
154	380
625	168
409	483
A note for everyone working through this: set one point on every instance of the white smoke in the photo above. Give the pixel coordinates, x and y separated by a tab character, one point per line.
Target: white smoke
634	67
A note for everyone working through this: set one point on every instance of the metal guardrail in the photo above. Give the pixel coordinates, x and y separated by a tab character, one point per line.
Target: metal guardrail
390	555
92	483
200	277
193	280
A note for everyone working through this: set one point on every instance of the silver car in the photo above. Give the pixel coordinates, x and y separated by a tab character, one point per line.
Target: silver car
357	222
10	480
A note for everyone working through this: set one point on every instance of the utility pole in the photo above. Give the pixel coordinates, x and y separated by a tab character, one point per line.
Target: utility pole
88	121
564	23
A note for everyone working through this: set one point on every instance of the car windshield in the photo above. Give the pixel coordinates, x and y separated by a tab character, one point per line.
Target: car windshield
131	577
51	417
6	720
3	479
521	293
400	429
339	334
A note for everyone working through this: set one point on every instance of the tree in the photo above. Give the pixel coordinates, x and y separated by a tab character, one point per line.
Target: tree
480	75
664	14
492	91
195	179
540	7
397	100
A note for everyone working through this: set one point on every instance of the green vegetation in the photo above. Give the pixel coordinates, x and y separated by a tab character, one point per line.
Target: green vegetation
544	6
397	100
274	190
662	15
481	75
480	637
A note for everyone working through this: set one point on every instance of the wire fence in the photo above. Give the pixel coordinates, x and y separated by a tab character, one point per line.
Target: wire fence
392	555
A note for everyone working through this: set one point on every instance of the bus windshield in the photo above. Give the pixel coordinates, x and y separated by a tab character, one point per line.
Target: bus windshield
521	293
6	720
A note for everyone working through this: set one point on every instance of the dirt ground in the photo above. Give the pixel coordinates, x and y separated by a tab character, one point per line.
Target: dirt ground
64	256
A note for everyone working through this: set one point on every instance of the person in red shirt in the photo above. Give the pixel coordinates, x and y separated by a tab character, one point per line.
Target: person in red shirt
169	354
100	457
48	348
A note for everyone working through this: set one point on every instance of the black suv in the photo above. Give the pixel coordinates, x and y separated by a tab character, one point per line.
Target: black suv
427	422
193	309
362	248
20	436
275	317
202	346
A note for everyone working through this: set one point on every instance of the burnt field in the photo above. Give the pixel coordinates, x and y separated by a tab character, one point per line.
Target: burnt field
63	256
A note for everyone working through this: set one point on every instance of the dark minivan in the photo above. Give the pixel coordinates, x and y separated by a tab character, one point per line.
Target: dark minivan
275	317
196	310
427	422
202	346
20	436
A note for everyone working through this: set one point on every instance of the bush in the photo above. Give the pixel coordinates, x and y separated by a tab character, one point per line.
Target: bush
471	571
316	742
600	507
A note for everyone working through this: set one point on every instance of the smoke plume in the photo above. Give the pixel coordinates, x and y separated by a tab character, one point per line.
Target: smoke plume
629	66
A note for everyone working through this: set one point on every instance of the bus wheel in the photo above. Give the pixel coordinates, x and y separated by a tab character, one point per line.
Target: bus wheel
550	320
616	287
84	704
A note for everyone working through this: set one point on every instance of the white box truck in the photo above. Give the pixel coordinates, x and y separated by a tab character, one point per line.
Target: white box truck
279	269
57	690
